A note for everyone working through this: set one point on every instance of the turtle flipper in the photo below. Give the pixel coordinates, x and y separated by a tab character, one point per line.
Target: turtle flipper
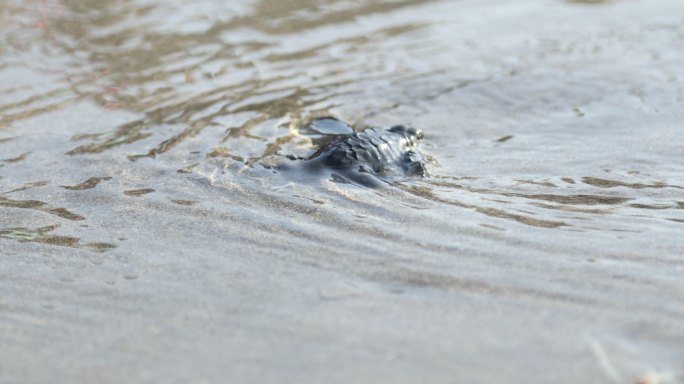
364	179
414	165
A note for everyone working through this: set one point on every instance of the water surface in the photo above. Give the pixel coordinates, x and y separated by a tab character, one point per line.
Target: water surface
153	228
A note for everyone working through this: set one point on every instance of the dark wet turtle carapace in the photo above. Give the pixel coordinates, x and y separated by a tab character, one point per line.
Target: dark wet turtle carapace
374	152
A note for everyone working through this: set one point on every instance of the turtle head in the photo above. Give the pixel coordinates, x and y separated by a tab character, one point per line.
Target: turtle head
414	136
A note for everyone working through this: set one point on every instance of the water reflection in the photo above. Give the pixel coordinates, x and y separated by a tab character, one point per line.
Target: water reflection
15	159
138	192
193	85
42	235
40	206
136	68
88	184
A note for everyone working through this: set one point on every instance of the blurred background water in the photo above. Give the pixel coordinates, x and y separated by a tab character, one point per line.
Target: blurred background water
152	227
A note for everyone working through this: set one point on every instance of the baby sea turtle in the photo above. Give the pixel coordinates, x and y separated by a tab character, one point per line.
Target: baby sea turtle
364	156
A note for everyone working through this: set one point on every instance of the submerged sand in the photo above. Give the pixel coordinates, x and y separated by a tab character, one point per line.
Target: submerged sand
153	230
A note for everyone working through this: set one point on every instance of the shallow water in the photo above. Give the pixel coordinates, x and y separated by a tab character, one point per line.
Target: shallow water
152	227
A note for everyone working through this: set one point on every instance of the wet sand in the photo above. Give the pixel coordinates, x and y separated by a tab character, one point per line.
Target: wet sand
153	229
